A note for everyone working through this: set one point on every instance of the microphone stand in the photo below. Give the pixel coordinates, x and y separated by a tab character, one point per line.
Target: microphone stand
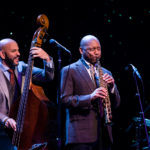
138	128
59	141
59	103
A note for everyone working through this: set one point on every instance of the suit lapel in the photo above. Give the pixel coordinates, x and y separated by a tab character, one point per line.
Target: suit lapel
3	86
85	75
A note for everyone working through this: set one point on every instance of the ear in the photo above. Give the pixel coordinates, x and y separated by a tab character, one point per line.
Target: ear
81	51
2	54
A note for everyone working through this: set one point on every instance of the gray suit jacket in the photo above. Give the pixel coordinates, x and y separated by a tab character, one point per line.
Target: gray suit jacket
38	75
81	118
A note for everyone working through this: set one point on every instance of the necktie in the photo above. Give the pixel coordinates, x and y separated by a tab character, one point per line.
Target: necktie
92	71
96	77
12	76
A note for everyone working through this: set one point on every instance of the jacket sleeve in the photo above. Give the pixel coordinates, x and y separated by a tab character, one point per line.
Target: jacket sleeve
39	75
2	117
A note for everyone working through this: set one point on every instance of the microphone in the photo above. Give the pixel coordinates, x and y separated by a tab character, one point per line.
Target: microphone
136	71
54	42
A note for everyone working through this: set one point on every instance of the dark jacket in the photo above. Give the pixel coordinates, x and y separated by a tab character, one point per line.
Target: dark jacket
81	118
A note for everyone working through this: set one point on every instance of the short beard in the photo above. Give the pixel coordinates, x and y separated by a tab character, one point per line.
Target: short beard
90	60
9	61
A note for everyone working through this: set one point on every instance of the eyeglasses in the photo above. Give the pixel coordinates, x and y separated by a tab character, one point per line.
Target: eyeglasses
92	49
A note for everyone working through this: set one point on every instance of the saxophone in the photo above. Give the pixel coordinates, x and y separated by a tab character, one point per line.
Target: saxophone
106	102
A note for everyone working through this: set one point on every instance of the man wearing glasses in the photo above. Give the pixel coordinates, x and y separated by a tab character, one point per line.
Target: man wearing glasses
82	96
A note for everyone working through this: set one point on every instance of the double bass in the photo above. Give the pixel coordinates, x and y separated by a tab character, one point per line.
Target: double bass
32	112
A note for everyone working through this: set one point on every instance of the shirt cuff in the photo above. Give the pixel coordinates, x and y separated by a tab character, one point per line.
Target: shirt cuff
4	119
50	63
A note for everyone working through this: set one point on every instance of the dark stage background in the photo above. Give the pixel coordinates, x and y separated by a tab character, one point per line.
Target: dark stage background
123	29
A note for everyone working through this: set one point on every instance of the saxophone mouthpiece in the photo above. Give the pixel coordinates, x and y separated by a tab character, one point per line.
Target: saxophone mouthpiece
98	63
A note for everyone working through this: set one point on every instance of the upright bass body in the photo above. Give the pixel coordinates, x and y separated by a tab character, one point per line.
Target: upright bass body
30	111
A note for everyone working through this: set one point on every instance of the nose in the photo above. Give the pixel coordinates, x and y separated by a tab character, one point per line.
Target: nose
18	53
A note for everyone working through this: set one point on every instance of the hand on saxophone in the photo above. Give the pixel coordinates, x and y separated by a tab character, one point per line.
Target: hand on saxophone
109	80
100	92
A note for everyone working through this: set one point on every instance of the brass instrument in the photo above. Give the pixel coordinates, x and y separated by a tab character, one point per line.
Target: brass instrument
106	102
